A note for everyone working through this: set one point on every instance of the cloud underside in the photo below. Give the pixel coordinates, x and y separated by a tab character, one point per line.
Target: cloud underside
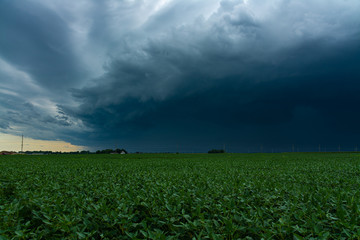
238	72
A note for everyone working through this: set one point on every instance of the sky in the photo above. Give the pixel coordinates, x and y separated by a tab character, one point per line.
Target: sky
182	75
13	143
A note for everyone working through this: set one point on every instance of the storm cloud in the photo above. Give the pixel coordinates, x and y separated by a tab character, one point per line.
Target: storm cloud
159	76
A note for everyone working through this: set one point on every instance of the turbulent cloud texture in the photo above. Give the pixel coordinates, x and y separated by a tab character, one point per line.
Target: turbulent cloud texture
168	74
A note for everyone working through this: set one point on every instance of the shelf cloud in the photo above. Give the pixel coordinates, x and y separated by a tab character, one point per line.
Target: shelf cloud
152	75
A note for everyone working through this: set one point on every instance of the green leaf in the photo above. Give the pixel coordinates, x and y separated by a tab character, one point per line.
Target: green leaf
19	233
297	237
81	235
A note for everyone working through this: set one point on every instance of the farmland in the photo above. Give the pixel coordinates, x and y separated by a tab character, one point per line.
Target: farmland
181	196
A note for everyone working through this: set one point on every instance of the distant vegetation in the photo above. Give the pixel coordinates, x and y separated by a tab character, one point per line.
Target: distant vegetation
105	151
109	151
216	151
51	152
185	196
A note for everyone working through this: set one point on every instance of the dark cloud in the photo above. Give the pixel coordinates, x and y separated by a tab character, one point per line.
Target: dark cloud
247	73
37	41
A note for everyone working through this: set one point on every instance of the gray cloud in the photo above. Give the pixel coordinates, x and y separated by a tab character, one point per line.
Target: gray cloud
145	74
37	42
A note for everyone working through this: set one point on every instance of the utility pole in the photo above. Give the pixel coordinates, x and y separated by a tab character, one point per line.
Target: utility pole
22	143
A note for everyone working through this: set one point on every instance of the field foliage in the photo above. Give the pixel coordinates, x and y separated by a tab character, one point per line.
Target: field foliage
180	196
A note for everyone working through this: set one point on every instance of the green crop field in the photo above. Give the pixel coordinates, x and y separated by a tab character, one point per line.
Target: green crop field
181	196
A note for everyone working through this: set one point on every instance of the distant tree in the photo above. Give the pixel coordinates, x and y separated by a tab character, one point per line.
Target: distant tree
216	151
108	151
118	150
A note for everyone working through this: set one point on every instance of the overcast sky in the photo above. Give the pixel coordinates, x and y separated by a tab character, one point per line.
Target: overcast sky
182	75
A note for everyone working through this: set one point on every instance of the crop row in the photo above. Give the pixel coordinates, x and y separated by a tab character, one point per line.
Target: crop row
180	196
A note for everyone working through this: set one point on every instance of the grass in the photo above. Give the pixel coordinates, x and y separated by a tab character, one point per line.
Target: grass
181	196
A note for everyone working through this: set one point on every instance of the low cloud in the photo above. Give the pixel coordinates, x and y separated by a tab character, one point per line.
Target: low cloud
184	71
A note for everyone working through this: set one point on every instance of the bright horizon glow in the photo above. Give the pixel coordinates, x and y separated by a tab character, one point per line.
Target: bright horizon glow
10	142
